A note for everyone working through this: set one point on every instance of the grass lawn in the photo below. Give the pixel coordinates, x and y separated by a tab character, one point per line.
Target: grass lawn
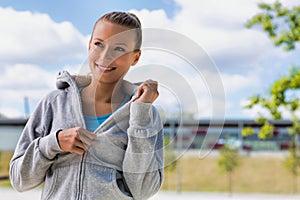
4	166
266	175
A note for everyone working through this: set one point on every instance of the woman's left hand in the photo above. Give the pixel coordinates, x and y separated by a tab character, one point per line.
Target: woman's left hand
147	92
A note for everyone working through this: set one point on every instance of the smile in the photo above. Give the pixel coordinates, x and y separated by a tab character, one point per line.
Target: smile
104	68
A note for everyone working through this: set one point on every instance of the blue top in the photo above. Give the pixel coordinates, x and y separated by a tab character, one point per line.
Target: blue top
93	122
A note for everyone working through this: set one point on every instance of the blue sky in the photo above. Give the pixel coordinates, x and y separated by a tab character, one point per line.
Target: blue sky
82	14
40	38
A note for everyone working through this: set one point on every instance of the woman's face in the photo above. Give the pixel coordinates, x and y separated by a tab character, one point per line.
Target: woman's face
111	51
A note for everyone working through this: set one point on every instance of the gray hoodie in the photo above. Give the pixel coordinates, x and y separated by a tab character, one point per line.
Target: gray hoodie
125	161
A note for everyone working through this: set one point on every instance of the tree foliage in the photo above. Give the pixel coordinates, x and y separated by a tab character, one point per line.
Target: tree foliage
247	131
282	24
277	102
282	97
228	161
292	163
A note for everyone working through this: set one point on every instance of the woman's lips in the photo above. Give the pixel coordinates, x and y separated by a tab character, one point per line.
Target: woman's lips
104	69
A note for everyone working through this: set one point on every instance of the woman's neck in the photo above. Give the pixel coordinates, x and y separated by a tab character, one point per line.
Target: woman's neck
104	92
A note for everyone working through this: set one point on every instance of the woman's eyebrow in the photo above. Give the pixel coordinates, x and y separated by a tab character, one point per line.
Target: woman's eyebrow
99	39
121	44
118	43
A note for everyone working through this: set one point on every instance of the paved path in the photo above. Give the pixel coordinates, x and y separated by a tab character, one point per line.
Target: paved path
10	194
220	196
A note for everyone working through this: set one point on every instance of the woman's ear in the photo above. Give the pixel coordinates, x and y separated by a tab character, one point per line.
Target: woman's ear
89	45
137	56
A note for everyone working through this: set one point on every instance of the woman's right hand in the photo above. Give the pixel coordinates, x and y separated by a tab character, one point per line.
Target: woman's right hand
75	140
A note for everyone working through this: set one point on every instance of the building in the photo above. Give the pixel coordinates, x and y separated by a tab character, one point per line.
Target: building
191	134
188	134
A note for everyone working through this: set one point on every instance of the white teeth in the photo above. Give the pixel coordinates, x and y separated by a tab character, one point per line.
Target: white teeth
104	68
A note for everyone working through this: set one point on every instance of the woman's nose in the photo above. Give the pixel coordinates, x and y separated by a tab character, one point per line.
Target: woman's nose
105	55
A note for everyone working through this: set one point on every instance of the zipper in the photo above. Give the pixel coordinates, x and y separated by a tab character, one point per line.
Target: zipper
80	114
80	184
81	167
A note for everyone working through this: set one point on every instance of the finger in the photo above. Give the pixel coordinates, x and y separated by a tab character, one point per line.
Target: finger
86	142
85	136
151	81
78	151
140	90
79	144
152	84
85	133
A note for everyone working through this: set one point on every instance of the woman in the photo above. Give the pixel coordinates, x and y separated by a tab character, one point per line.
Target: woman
100	137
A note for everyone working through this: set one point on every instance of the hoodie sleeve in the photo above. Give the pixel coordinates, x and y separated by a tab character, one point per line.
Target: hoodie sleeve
143	161
36	150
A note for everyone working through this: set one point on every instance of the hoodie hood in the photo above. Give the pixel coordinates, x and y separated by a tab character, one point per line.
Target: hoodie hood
65	80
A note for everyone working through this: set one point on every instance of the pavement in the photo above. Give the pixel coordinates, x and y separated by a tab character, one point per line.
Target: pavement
166	195
10	194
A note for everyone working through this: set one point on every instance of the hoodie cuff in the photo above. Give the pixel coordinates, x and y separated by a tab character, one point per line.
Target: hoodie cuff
49	146
141	115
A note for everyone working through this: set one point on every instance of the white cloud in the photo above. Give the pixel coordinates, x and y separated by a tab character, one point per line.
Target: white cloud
26	76
31	43
235	82
215	13
255	111
243	56
219	28
258	110
28	37
155	18
23	80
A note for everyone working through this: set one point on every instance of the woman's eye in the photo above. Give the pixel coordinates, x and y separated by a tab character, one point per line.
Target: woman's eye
99	44
120	49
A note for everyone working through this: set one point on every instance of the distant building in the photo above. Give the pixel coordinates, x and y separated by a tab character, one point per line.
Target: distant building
188	134
10	131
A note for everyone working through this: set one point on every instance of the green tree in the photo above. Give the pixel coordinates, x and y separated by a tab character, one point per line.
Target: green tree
228	161
292	163
282	24
274	103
